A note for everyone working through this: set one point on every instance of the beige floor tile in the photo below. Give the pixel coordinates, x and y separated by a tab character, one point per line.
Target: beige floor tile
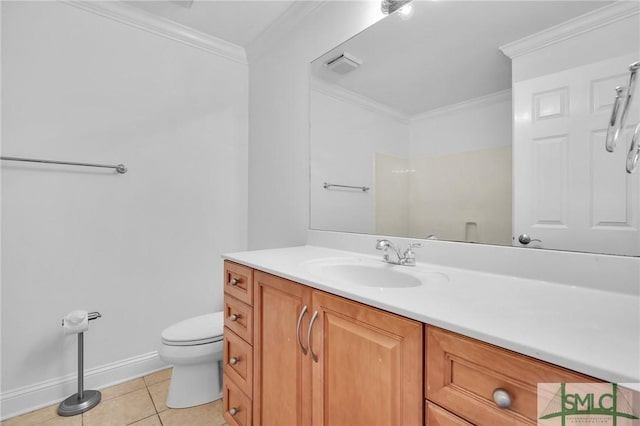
149	421
203	415
159	392
34	417
158	376
121	410
122	388
47	416
63	421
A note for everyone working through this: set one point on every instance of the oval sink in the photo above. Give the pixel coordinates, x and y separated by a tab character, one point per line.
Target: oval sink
371	276
370	273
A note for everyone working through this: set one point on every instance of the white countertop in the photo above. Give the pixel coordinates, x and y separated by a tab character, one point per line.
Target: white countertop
594	332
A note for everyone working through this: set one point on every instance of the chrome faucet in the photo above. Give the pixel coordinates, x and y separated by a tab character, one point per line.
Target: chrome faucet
406	258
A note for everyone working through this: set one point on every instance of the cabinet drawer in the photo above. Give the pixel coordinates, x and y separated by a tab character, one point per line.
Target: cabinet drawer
238	361
238	282
437	416
462	375
235	404
238	317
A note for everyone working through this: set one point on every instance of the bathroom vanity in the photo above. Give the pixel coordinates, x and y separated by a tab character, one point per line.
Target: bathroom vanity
305	346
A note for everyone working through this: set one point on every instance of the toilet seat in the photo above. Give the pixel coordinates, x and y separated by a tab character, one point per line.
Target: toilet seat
199	330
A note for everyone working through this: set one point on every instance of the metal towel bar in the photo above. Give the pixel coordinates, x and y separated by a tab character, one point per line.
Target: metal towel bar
120	168
331	185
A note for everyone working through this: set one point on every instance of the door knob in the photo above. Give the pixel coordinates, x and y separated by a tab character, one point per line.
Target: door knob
526	239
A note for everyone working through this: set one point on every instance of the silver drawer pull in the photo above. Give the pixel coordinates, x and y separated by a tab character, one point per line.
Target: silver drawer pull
302	312
234	281
234	360
233	411
234	317
313	320
502	398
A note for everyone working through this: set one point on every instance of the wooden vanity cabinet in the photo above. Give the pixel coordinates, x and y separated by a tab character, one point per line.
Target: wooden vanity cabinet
369	365
299	356
358	365
463	373
237	361
282	385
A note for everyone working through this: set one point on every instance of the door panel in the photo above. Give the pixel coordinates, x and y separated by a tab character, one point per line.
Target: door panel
368	365
281	383
569	191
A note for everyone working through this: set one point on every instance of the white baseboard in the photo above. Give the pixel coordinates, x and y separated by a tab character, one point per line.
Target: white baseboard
28	398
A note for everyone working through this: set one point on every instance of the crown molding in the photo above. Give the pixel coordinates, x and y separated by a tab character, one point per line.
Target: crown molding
492	98
282	26
138	18
356	99
584	23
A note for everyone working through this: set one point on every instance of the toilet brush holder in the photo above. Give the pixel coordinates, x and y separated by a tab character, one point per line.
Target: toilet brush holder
84	400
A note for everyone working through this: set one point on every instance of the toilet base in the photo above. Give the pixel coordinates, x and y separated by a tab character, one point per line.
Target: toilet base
194	384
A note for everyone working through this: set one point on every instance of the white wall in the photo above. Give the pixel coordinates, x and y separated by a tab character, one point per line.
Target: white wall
458	156
345	136
279	120
461	185
392	185
142	248
477	124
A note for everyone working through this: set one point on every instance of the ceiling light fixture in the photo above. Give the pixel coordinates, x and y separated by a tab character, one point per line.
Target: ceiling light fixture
390	6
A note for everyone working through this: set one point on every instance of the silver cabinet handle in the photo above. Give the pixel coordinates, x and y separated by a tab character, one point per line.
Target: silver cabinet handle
313	320
634	151
612	128
302	312
502	398
234	360
526	239
234	317
233	411
234	281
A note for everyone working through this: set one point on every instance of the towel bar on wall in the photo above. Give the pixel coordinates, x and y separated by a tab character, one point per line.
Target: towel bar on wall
331	185
120	168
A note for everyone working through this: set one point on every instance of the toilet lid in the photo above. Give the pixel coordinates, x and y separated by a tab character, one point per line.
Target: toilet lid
195	331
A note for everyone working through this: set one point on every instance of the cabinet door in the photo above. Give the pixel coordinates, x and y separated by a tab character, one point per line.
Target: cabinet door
369	365
282	371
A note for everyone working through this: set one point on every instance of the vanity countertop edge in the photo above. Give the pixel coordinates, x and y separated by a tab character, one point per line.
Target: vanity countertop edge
594	332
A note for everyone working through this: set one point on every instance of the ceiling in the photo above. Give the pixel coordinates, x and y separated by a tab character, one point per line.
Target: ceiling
447	52
239	22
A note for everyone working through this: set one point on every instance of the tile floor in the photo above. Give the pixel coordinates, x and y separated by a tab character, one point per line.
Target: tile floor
139	402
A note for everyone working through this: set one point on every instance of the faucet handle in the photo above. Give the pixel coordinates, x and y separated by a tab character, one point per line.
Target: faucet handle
409	257
409	251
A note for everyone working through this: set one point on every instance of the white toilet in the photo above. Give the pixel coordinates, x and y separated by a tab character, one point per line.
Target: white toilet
194	347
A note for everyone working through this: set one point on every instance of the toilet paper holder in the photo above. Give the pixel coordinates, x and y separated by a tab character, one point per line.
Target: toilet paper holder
90	316
81	401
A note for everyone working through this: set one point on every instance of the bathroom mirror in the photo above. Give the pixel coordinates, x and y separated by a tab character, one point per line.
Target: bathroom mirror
480	122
